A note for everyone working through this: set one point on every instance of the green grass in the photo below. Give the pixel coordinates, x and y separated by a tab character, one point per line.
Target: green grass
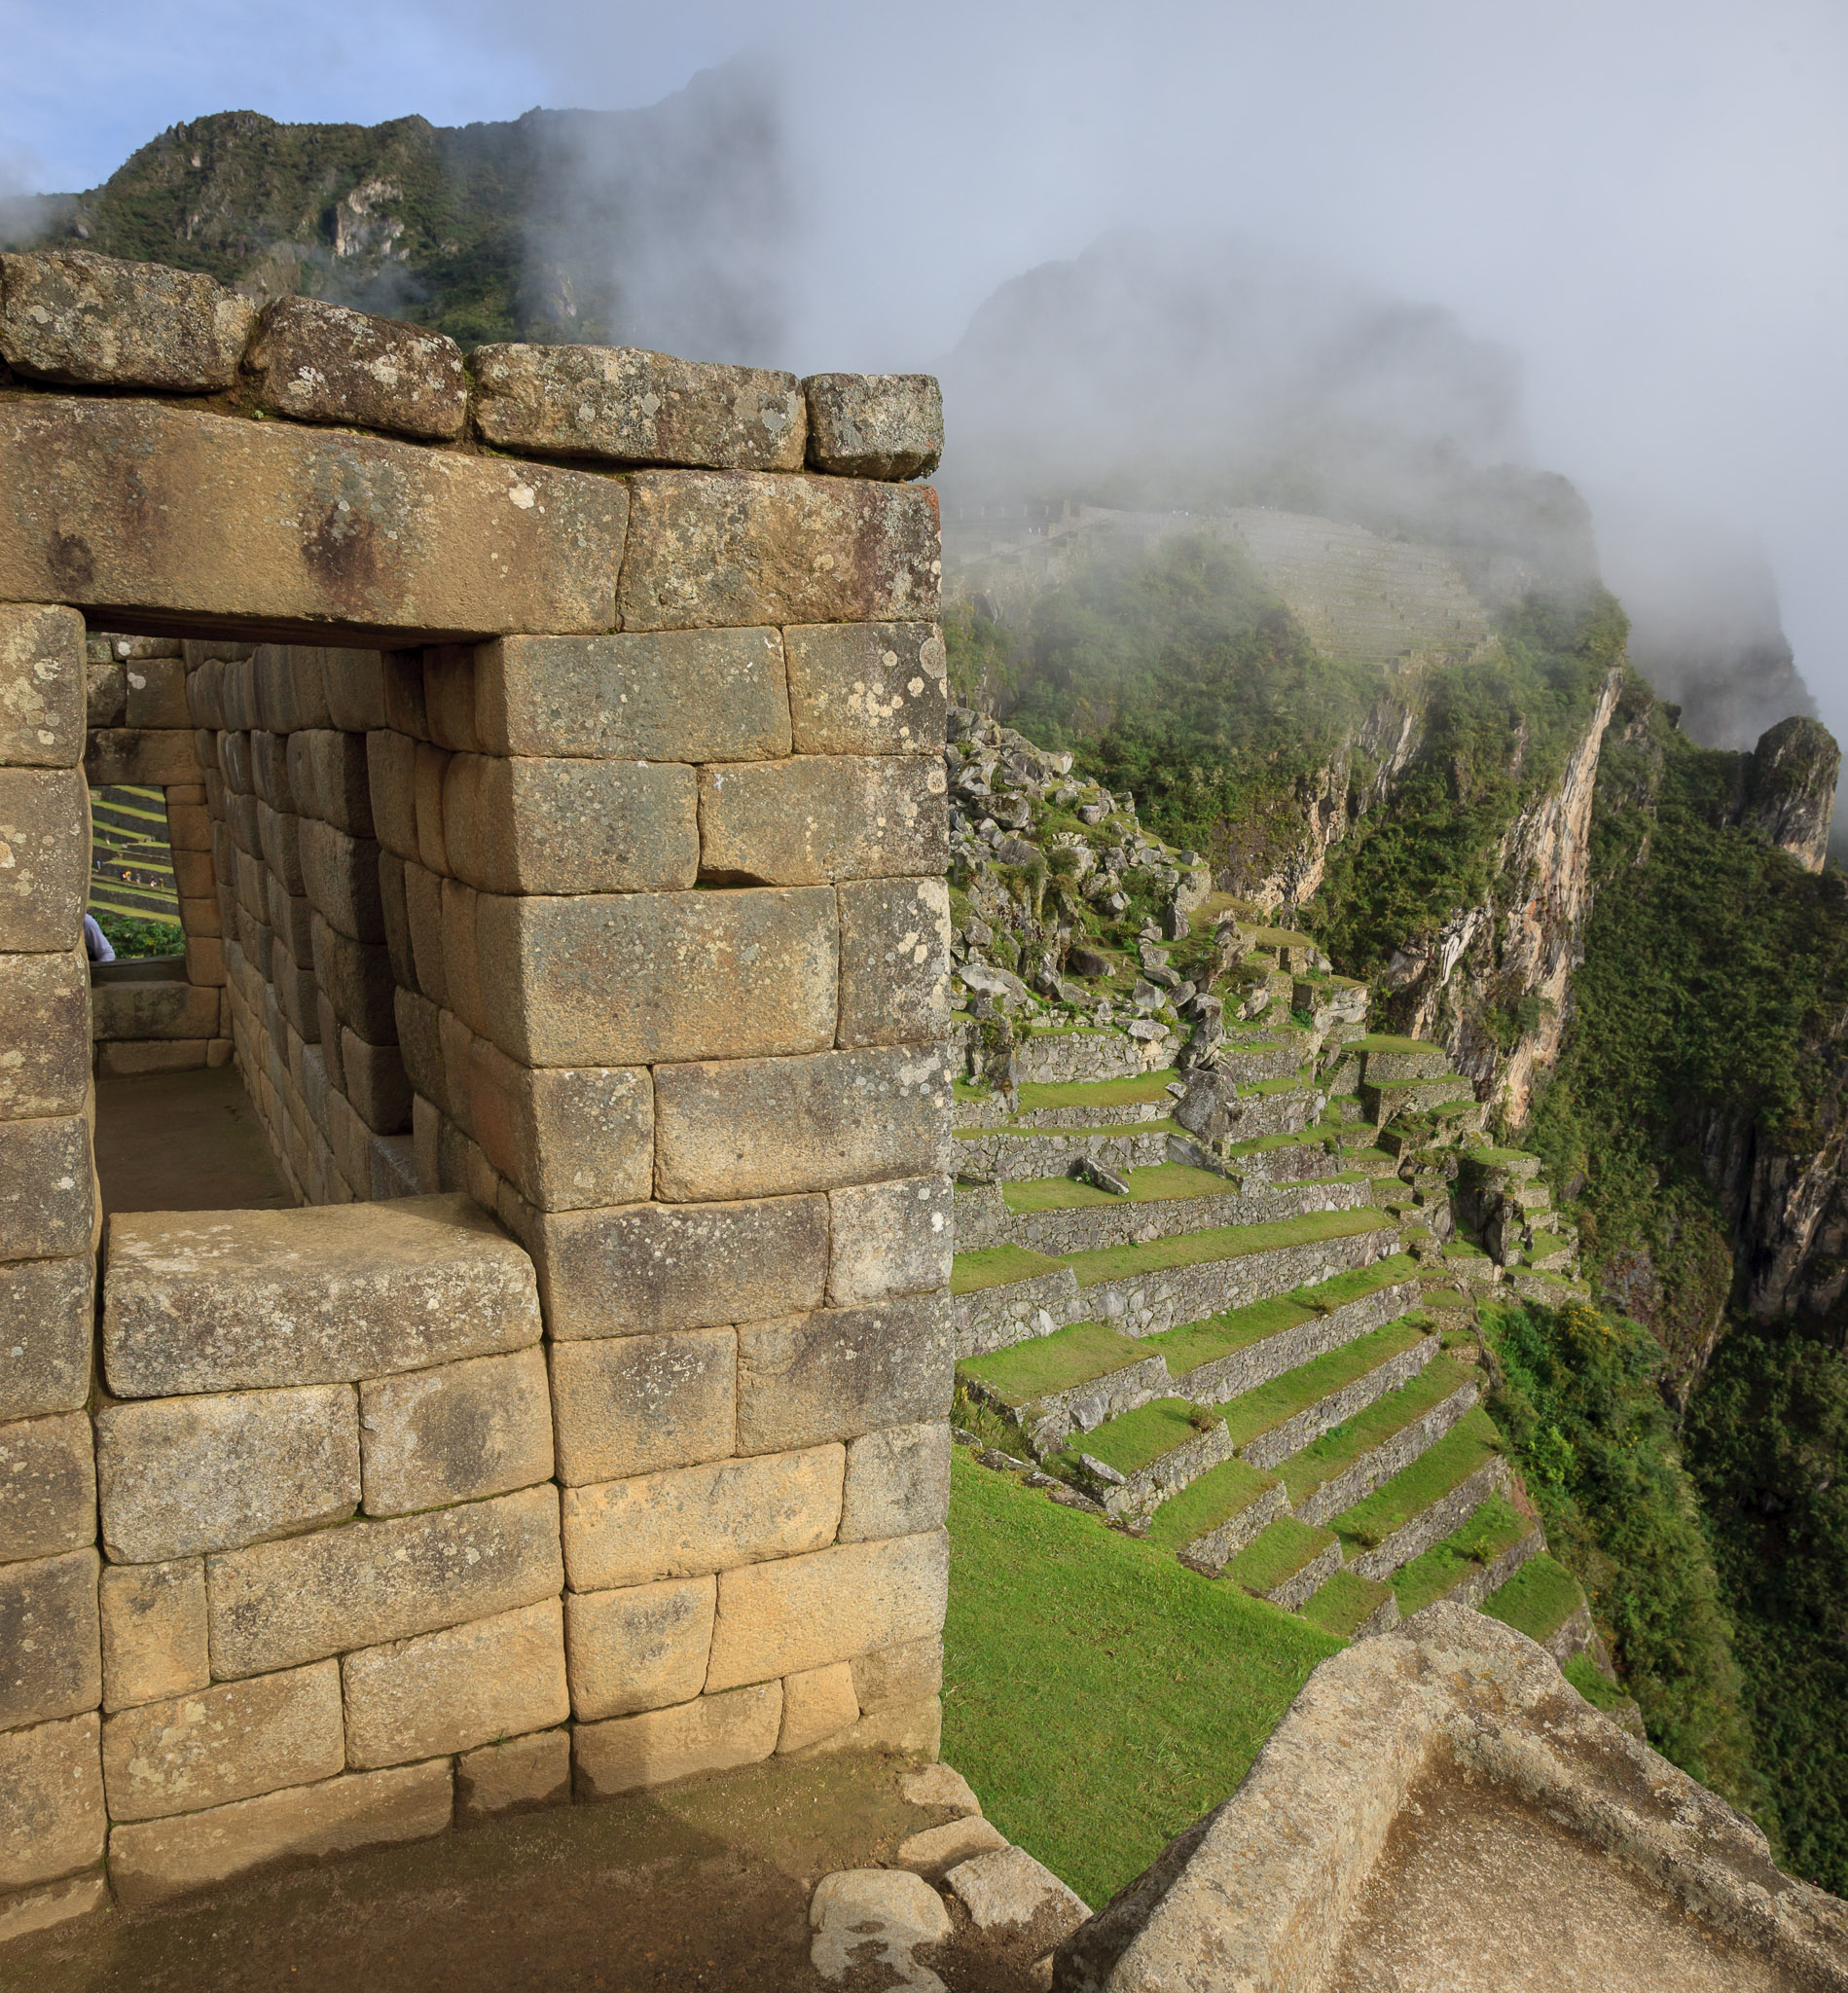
1222	1241
1538	1600
1280	1550
994	1266
1342	1602
1385	1042
1129	1444
1218	1335
1203	1504
1158	1183
1493	1528
1259	1411
1045	1363
1099	1695
1337	1450
1596	1687
1468	1443
1096	1093
1494	1158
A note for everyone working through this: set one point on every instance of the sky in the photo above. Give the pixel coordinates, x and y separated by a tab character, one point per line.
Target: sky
1648	200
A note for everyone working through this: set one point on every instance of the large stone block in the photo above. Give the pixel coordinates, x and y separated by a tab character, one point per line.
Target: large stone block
867	688
43	686
729	547
634	1404
52	1815
340	877
26	1911
327	770
153	1861
642	1648
68	315
129	1012
897	1482
844	1372
354	681
887	1239
456	1432
155	1641
899	1676
556	826
711	1733
568	1138
627	406
676	695
279	834
51	1644
823	816
289	687
391	775
47	1188
158	757
632	978
376	1081
355	978
46	1312
321	363
45	1026
449	697
817	1704
805	1611
745	1127
696	1520
894	962
649	1267
875	425
48	1487
224	1743
157	695
241	1300
428	776
178	1475
514	1775
44	855
279	1605
281	529
463	976
455	1690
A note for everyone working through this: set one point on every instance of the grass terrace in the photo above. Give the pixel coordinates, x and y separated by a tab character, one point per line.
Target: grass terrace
1222	1241
1470	1444
1219	1335
1343	1602
1096	1093
1164	1125
1202	1505
1157	1183
1337	1450
1494	1527
1130	1443
1280	1549
998	1266
1267	1407
1047	1363
1538	1600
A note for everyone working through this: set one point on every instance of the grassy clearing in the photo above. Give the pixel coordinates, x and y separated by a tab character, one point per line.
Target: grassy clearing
1337	1450
1129	1444
1538	1600
1100	1696
1385	1042
1493	1528
1046	1363
994	1266
1096	1093
1471	1442
1308	1140
1222	1241
1218	1495
1158	1183
1279	1551
1343	1601
1270	1404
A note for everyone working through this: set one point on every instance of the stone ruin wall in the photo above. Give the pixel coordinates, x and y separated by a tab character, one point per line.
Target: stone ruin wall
575	839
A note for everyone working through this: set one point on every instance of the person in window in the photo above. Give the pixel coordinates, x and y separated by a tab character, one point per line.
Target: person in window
95	941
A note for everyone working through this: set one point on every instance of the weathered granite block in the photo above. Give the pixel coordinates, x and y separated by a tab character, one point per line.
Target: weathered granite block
376	1081
68	315
514	1775
642	1647
52	1815
158	756
710	1733
568	1138
355	978
340	878
803	1612
45	1310
894	962
456	1432
224	1743
392	761
43	686
354	684
886	1239
51	1644
732	548
748	1127
240	1300
449	697
819	817
693	1520
321	363
46	1190
185	514
558	826
633	978
867	688
45	880
428	775
48	1487
875	425
45	1026
135	1011
818	1703
674	694
897	1482
157	695
279	836
25	1911
455	1690
279	1605
842	1371
105	694
153	1631
634	1404
899	1676
627	406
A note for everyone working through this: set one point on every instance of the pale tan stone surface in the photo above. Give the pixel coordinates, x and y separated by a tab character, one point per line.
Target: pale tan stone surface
632	978
43	686
735	548
817	1704
280	1605
57	1903
215	1301
627	406
890	1239
899	1676
939	1785
677	695
819	818
698	1519
740	1128
161	1055
179	512
514	1776
51	1644
803	1612
153	1861
897	1482
339	878
48	1487
643	1646
636	1404
224	1743
894	962
44	855
215	1471
153	1631
44	1335
456	1689
52	1817
842	1371
875	425
1008	1887
321	363
568	1138
135	1011
47	1188
71	315
936	1849
455	1432
711	1733
527	824
867	688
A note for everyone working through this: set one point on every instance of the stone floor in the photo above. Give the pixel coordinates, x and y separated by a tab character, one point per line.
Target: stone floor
183	1141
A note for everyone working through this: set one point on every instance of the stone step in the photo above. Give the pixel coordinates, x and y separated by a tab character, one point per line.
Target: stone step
1286	1562
1249	1062
1471	1561
1155	1450
1001	1295
1067	1383
1382	1102
1079	1103
1282	1158
1477	1164
1278	1420
1543	1600
1078	1053
1278	1107
1380	1441
1217	1514
1352	1607
1445	1485
1009	1155
1383	1061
